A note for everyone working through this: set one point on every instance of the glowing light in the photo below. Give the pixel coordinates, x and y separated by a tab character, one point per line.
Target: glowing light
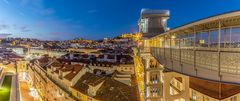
33	93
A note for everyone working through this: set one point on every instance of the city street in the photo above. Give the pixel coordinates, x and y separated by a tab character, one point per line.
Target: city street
120	50
25	92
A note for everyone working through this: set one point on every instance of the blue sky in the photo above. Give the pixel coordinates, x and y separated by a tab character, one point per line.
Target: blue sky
96	19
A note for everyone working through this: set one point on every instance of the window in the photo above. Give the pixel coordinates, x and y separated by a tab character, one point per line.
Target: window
144	25
78	94
235	35
205	98
202	39
178	85
233	98
225	38
213	38
194	96
90	99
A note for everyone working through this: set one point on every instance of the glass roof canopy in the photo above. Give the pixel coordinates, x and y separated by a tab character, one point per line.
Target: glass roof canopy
225	20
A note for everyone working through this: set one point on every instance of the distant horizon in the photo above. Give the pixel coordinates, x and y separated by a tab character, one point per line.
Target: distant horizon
50	39
95	20
112	36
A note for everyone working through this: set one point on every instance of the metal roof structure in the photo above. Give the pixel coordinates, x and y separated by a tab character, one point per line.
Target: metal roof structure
225	19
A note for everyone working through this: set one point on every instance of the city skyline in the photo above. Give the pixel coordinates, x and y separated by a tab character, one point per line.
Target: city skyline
119	50
63	20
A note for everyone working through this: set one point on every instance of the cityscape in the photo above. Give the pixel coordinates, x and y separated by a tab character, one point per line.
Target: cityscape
119	50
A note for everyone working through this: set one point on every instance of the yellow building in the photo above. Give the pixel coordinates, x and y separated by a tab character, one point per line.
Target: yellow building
91	87
133	36
56	80
48	88
139	74
195	67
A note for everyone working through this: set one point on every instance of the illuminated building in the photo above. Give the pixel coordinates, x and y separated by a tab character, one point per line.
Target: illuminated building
68	80
197	62
153	22
22	68
91	87
47	88
39	52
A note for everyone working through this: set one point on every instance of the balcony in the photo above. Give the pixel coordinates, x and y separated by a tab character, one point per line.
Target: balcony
208	48
144	50
208	64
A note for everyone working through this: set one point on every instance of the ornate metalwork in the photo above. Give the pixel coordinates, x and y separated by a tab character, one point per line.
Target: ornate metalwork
229	61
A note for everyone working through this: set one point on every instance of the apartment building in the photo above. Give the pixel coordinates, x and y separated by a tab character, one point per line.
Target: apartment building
66	80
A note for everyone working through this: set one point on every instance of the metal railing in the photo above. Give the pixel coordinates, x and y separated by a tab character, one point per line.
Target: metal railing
178	59
144	50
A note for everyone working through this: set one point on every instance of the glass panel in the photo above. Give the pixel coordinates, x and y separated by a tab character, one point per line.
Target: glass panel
167	43
202	39
235	37
161	42
214	38
190	39
187	40
177	39
225	38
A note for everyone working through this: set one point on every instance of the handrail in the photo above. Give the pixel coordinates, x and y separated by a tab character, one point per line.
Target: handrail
223	64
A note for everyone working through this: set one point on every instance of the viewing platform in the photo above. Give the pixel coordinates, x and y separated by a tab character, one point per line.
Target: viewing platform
208	48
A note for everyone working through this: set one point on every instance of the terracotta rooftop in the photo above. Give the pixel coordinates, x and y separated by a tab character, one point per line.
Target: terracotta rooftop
110	90
113	90
179	79
56	64
91	79
72	68
214	89
74	71
84	58
43	61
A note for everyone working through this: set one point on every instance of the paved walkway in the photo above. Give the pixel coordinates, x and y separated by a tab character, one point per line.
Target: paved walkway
135	85
24	89
14	90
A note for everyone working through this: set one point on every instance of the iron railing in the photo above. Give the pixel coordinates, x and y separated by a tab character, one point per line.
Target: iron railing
221	62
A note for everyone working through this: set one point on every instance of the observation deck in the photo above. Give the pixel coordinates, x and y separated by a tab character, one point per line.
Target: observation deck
208	48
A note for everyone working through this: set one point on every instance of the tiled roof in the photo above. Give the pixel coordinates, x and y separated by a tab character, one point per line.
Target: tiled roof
43	61
104	63
56	64
74	71
214	89
179	79
91	79
113	90
110	90
120	59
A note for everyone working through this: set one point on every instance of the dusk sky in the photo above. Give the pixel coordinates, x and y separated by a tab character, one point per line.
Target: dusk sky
96	19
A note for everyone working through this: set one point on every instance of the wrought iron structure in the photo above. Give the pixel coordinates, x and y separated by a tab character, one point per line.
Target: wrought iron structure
208	48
